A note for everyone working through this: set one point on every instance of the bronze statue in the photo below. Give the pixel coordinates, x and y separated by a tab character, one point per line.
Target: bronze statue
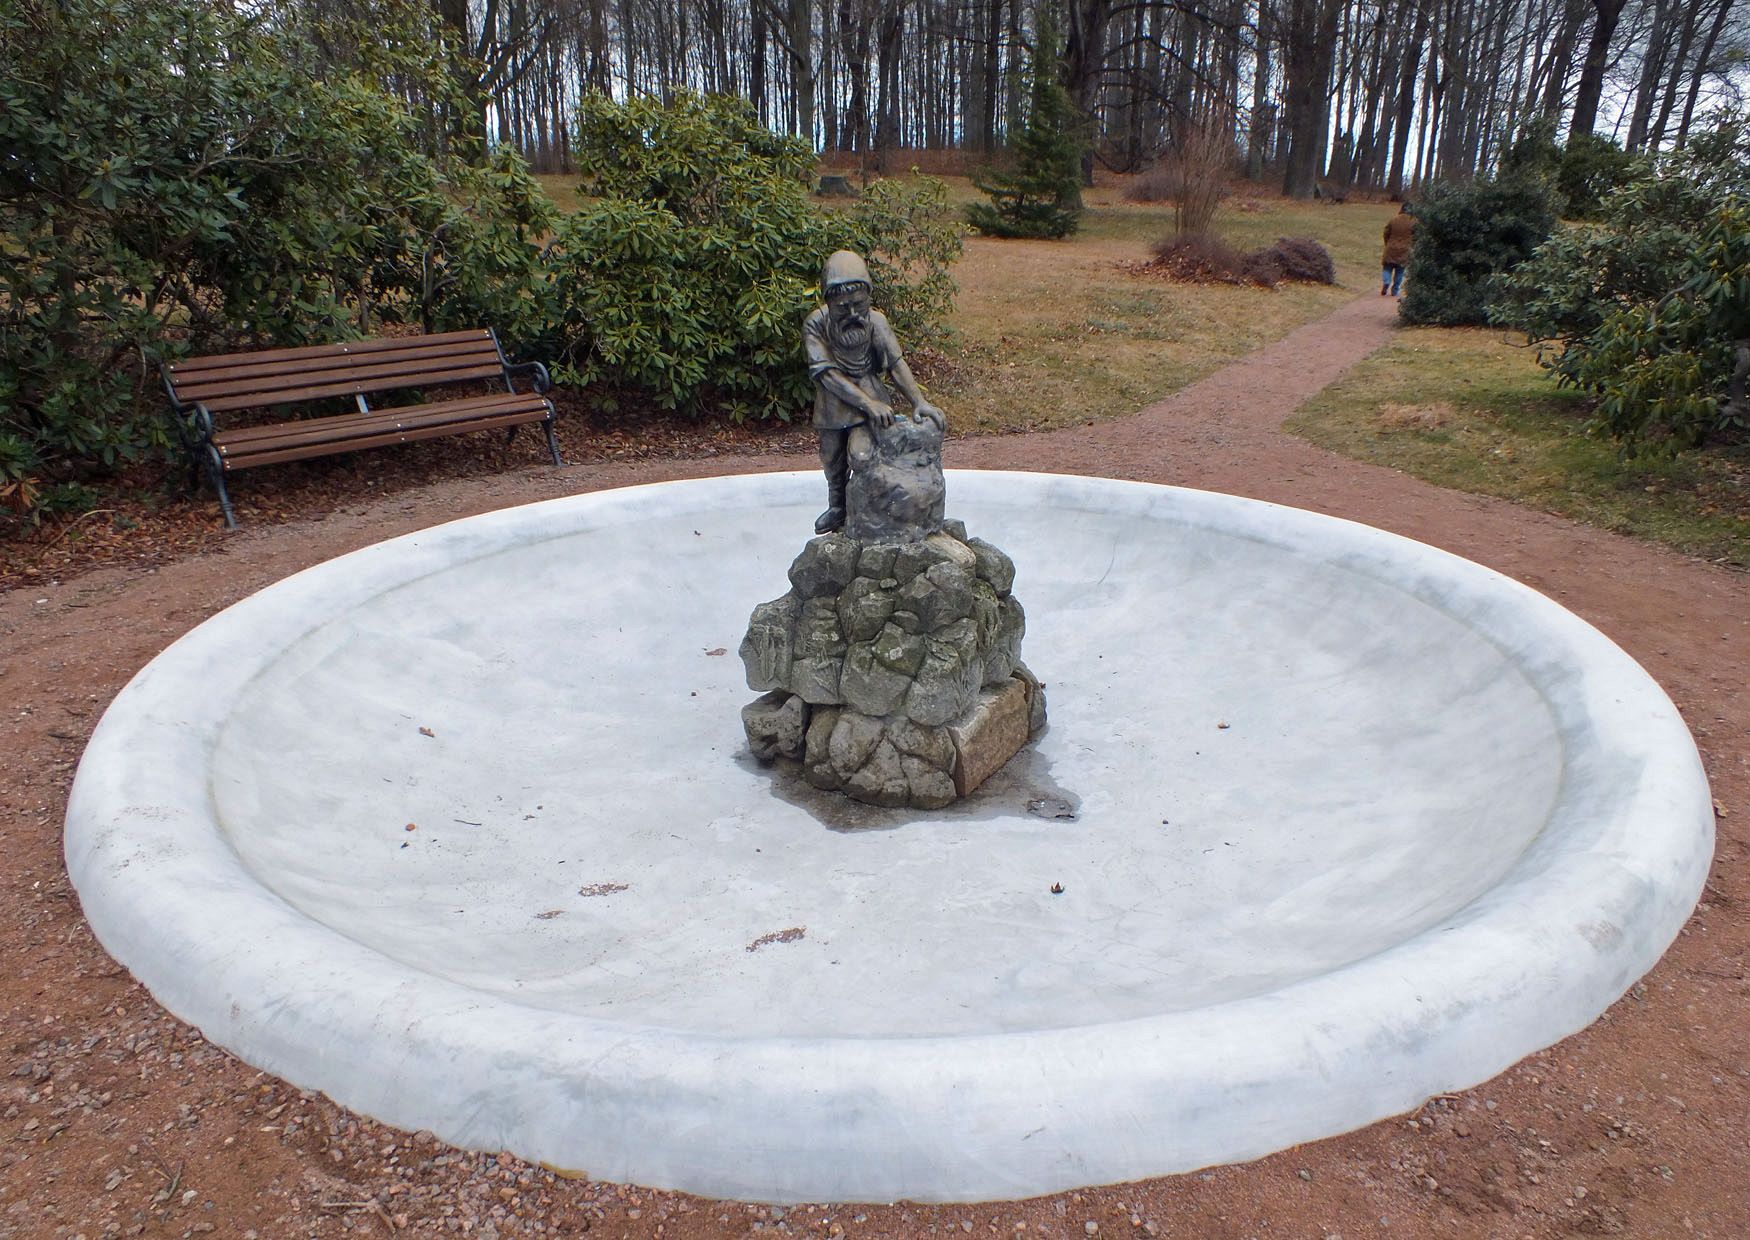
851	349
891	670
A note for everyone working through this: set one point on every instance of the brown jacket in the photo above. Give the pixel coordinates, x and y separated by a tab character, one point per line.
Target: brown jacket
1398	231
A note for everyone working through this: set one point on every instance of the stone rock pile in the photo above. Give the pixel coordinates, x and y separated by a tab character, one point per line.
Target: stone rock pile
892	671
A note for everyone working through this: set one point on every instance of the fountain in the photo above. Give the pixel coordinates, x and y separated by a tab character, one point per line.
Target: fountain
463	829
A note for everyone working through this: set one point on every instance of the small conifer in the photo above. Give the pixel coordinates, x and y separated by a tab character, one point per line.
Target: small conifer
1042	197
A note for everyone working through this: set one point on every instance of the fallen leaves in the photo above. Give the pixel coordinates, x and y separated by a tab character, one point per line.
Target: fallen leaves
778	936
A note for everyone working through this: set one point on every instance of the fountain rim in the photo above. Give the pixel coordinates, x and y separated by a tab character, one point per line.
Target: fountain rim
1369	1031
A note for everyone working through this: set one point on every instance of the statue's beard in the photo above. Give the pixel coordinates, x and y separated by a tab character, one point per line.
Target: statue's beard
850	344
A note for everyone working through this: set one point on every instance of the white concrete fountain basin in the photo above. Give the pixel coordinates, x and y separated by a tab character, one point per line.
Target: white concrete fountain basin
460	830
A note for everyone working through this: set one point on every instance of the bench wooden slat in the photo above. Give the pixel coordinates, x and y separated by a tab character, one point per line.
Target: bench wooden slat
246	439
191	388
315	352
350	387
265	389
328	447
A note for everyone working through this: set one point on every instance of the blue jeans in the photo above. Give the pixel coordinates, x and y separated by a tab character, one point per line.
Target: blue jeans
1392	276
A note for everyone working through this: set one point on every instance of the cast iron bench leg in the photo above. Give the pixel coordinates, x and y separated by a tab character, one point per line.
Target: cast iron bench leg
552	441
216	472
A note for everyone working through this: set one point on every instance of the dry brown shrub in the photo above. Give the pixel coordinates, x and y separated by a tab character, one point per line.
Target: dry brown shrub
1200	258
1204	258
1202	167
1150	185
1303	259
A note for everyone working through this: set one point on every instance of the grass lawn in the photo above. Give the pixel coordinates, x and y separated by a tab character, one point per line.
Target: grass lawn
1468	409
1051	333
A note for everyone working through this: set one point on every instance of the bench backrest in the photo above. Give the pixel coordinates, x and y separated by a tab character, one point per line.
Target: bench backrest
282	376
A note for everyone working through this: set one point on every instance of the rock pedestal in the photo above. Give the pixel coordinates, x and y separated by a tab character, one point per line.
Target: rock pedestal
891	670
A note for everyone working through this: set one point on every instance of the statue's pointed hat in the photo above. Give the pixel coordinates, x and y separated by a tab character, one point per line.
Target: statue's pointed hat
844	267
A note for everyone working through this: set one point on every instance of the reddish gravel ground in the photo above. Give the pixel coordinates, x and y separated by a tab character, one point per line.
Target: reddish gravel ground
120	1121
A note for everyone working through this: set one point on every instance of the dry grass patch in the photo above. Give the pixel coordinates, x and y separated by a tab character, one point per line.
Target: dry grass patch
1052	333
1394	416
1466	408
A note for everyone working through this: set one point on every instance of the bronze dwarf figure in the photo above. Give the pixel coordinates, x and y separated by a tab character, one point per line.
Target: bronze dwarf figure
851	350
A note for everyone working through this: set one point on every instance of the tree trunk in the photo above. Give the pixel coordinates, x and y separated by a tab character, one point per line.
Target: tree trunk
1309	38
1084	57
802	66
1263	119
1686	40
756	81
1652	70
1701	63
1591	89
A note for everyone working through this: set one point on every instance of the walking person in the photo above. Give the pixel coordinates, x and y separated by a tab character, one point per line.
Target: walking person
1399	230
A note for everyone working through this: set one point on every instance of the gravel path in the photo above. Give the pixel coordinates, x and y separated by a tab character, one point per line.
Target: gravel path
118	1120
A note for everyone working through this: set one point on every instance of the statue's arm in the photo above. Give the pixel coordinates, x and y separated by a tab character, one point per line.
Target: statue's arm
920	404
902	378
879	412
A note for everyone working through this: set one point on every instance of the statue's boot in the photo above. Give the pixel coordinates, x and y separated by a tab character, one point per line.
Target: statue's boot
838	478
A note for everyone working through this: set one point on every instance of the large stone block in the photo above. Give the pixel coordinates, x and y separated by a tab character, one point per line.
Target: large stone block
816	680
991	733
853	739
928	787
931	745
900	650
817	629
881	779
1035	698
993	566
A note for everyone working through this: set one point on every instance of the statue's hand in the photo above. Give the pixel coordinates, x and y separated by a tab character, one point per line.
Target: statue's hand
880	415
925	409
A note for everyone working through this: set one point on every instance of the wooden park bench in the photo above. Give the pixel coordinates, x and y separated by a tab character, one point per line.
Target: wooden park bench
202	387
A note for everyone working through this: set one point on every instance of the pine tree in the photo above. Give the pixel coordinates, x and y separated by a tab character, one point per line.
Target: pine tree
1042	197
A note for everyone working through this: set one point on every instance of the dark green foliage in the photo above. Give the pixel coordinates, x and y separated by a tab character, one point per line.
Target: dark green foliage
1643	311
685	282
1042	196
1465	236
1581	174
1533	153
170	183
1590	168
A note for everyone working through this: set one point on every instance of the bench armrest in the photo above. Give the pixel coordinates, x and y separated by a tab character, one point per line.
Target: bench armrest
535	372
193	425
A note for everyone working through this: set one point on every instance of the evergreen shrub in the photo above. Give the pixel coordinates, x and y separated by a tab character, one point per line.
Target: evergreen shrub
1645	310
1591	167
1466	235
1042	196
683	283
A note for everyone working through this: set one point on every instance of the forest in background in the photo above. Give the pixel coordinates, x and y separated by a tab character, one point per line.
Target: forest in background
1386	95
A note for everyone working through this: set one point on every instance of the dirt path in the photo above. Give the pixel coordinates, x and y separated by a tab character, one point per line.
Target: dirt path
117	1120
